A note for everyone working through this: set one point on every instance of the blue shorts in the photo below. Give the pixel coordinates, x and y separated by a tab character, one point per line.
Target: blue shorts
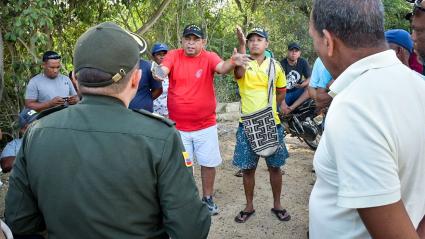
292	96
245	158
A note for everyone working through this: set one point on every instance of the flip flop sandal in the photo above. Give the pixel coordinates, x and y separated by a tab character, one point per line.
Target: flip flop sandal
242	217
282	215
239	173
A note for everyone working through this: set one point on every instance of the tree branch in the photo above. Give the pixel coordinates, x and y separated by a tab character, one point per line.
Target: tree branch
239	4
35	58
1	65
154	18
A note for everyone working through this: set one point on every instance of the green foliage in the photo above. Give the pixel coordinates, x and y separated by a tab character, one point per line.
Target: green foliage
31	27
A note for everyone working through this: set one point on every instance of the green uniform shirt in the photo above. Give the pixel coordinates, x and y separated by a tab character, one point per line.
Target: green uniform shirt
99	170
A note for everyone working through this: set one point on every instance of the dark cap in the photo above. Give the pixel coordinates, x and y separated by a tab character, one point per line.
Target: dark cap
26	116
400	37
158	47
109	48
258	31
293	46
193	29
51	55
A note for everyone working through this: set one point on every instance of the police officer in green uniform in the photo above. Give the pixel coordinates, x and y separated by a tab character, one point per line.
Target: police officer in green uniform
100	170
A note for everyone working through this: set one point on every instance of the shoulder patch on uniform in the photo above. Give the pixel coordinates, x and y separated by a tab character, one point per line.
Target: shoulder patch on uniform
50	111
155	116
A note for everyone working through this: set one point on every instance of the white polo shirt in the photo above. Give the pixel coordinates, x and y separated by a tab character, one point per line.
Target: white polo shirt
372	152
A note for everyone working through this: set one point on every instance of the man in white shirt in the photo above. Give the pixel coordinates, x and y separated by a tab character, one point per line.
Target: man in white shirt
370	162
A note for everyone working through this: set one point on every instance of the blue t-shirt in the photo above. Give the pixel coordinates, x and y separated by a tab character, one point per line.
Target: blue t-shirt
320	76
11	149
143	98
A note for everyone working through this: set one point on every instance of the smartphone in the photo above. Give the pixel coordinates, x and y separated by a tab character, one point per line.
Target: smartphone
157	70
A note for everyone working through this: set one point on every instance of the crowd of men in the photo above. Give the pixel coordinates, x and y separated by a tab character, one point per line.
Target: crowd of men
113	158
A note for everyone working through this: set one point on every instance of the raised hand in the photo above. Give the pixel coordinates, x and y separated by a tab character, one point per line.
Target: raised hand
241	37
239	59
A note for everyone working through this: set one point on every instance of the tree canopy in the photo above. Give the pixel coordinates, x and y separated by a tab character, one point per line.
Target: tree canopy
30	27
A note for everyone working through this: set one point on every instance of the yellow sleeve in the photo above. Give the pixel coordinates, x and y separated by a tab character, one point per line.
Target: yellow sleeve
280	76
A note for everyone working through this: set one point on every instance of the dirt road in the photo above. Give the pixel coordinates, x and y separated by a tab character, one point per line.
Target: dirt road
229	194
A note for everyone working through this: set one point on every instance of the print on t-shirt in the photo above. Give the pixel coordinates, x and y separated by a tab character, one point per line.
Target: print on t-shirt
198	73
292	79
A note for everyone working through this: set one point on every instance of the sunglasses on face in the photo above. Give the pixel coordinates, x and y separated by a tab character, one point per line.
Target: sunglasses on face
418	6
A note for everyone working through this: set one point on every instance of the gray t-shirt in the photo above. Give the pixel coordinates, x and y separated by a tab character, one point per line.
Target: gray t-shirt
42	88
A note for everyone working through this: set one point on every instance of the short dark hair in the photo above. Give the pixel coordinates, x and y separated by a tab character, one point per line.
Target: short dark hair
51	55
358	23
92	75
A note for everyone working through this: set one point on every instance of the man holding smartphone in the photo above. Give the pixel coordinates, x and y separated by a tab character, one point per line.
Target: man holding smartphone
50	88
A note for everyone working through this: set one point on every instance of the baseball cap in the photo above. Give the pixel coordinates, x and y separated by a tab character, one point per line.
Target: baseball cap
258	31
109	48
51	55
400	37
193	29
294	45
26	116
157	47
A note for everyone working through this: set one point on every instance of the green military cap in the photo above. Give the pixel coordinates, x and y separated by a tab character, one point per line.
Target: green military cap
109	48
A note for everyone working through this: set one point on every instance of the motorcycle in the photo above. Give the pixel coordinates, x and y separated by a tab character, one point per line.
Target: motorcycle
304	123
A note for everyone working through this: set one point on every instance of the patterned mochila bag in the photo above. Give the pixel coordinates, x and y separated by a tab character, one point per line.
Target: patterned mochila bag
260	126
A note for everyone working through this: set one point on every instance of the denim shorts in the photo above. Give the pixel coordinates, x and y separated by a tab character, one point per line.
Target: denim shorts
292	96
245	158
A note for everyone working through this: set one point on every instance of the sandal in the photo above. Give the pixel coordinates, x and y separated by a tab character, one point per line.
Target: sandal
239	173
242	217
282	215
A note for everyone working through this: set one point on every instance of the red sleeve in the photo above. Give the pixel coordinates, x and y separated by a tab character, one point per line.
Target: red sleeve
169	59
214	59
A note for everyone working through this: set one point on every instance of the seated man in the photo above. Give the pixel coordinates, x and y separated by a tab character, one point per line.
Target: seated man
319	85
9	153
297	73
50	88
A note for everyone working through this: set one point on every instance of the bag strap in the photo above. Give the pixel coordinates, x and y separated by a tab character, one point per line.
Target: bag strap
272	75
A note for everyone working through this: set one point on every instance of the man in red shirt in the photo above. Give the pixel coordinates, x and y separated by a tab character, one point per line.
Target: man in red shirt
192	102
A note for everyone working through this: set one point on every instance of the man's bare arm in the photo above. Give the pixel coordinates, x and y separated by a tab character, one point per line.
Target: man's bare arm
235	60
38	106
239	70
156	93
421	228
388	222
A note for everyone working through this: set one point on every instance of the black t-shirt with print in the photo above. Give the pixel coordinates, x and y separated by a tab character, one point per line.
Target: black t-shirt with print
294	74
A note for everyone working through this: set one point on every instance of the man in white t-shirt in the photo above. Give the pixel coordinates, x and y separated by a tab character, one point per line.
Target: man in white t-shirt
50	88
370	162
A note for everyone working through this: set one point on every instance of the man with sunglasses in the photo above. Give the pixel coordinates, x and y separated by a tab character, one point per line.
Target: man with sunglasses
50	88
417	18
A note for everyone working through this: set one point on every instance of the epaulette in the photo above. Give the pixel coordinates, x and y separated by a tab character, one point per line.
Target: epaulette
50	110
164	120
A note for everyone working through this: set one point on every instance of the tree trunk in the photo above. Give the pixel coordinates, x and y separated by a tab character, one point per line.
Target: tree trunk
154	18
1	65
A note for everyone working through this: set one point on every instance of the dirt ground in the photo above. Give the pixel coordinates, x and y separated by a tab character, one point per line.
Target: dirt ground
229	195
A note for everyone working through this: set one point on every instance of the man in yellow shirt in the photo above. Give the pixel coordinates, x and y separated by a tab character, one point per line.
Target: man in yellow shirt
253	88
